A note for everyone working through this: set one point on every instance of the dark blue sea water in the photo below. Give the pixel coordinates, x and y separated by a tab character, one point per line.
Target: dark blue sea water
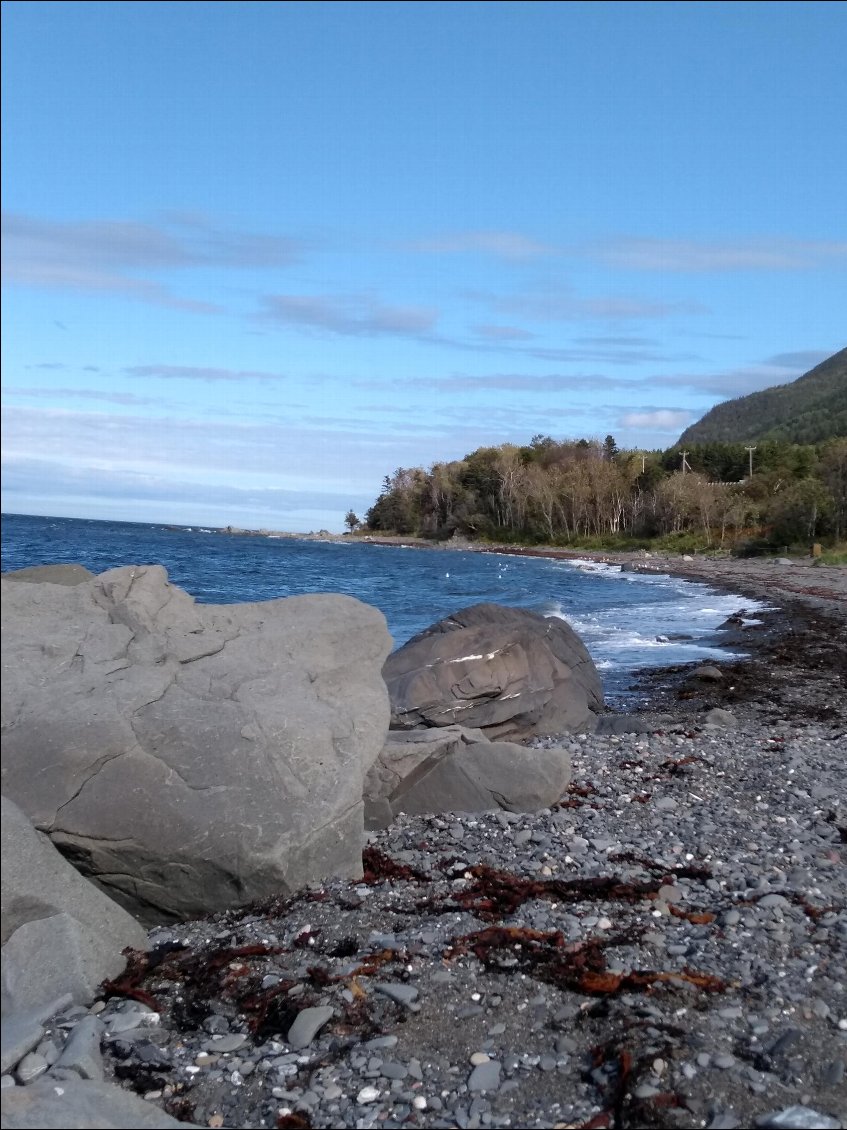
619	615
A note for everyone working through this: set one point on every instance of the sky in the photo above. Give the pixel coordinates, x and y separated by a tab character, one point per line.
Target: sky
257	256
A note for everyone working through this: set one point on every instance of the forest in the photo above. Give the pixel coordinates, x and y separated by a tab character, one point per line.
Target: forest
811	409
588	493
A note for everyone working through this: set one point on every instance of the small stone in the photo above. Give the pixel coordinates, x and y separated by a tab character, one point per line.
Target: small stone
478	1058
670	893
723	718
367	1095
397	991
833	1073
306	1026
485	1077
724	1120
380	1042
708	673
645	1091
393	1070
125	1020
81	1054
798	1118
773	900
30	1067
223	1044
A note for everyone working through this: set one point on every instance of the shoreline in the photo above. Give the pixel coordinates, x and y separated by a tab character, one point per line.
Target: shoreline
757	577
663	948
796	667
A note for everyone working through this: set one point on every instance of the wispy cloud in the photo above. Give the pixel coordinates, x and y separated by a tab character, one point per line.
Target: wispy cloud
530	383
612	355
561	304
502	333
124	256
53	486
605	341
353	315
57	394
776	254
233	450
730	383
499	244
201	373
656	420
799	362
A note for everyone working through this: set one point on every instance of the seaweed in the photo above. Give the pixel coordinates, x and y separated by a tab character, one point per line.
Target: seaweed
577	966
496	894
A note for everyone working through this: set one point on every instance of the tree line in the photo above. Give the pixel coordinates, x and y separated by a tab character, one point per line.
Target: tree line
586	491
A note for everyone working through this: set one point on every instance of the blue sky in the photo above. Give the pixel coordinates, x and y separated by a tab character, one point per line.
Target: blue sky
256	256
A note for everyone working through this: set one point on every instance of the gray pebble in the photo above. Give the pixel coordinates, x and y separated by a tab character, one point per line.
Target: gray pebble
394	1070
223	1044
307	1024
397	991
81	1054
724	1120
30	1067
485	1077
798	1118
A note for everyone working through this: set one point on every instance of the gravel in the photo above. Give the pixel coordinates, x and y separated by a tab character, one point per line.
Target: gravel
665	947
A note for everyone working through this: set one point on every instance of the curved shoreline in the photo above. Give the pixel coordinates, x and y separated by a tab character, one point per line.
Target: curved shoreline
796	665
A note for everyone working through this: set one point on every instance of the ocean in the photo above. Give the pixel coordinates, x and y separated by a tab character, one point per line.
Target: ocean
628	621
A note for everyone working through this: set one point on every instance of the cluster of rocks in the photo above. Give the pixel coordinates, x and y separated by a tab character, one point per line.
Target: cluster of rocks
574	930
665	947
191	758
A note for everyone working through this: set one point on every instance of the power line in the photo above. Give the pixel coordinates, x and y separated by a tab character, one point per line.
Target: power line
750	450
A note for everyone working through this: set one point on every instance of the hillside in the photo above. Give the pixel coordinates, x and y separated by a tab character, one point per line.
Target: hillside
811	409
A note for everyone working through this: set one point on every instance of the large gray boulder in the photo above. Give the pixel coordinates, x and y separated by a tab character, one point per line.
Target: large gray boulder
191	757
76	1104
61	935
51	574
510	672
455	769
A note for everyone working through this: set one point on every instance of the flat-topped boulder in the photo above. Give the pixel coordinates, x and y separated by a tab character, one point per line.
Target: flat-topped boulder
510	672
191	757
51	574
455	769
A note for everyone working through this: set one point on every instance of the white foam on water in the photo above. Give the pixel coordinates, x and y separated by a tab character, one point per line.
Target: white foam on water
624	637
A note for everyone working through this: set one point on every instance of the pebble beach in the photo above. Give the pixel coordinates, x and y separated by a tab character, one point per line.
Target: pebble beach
665	947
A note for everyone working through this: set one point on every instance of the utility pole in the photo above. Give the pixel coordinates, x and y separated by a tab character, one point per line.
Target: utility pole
686	466
750	450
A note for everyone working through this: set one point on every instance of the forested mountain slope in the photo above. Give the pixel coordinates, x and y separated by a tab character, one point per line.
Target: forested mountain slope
811	409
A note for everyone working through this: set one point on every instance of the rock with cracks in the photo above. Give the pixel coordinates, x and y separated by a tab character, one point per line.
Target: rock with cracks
454	769
508	671
191	757
60	934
